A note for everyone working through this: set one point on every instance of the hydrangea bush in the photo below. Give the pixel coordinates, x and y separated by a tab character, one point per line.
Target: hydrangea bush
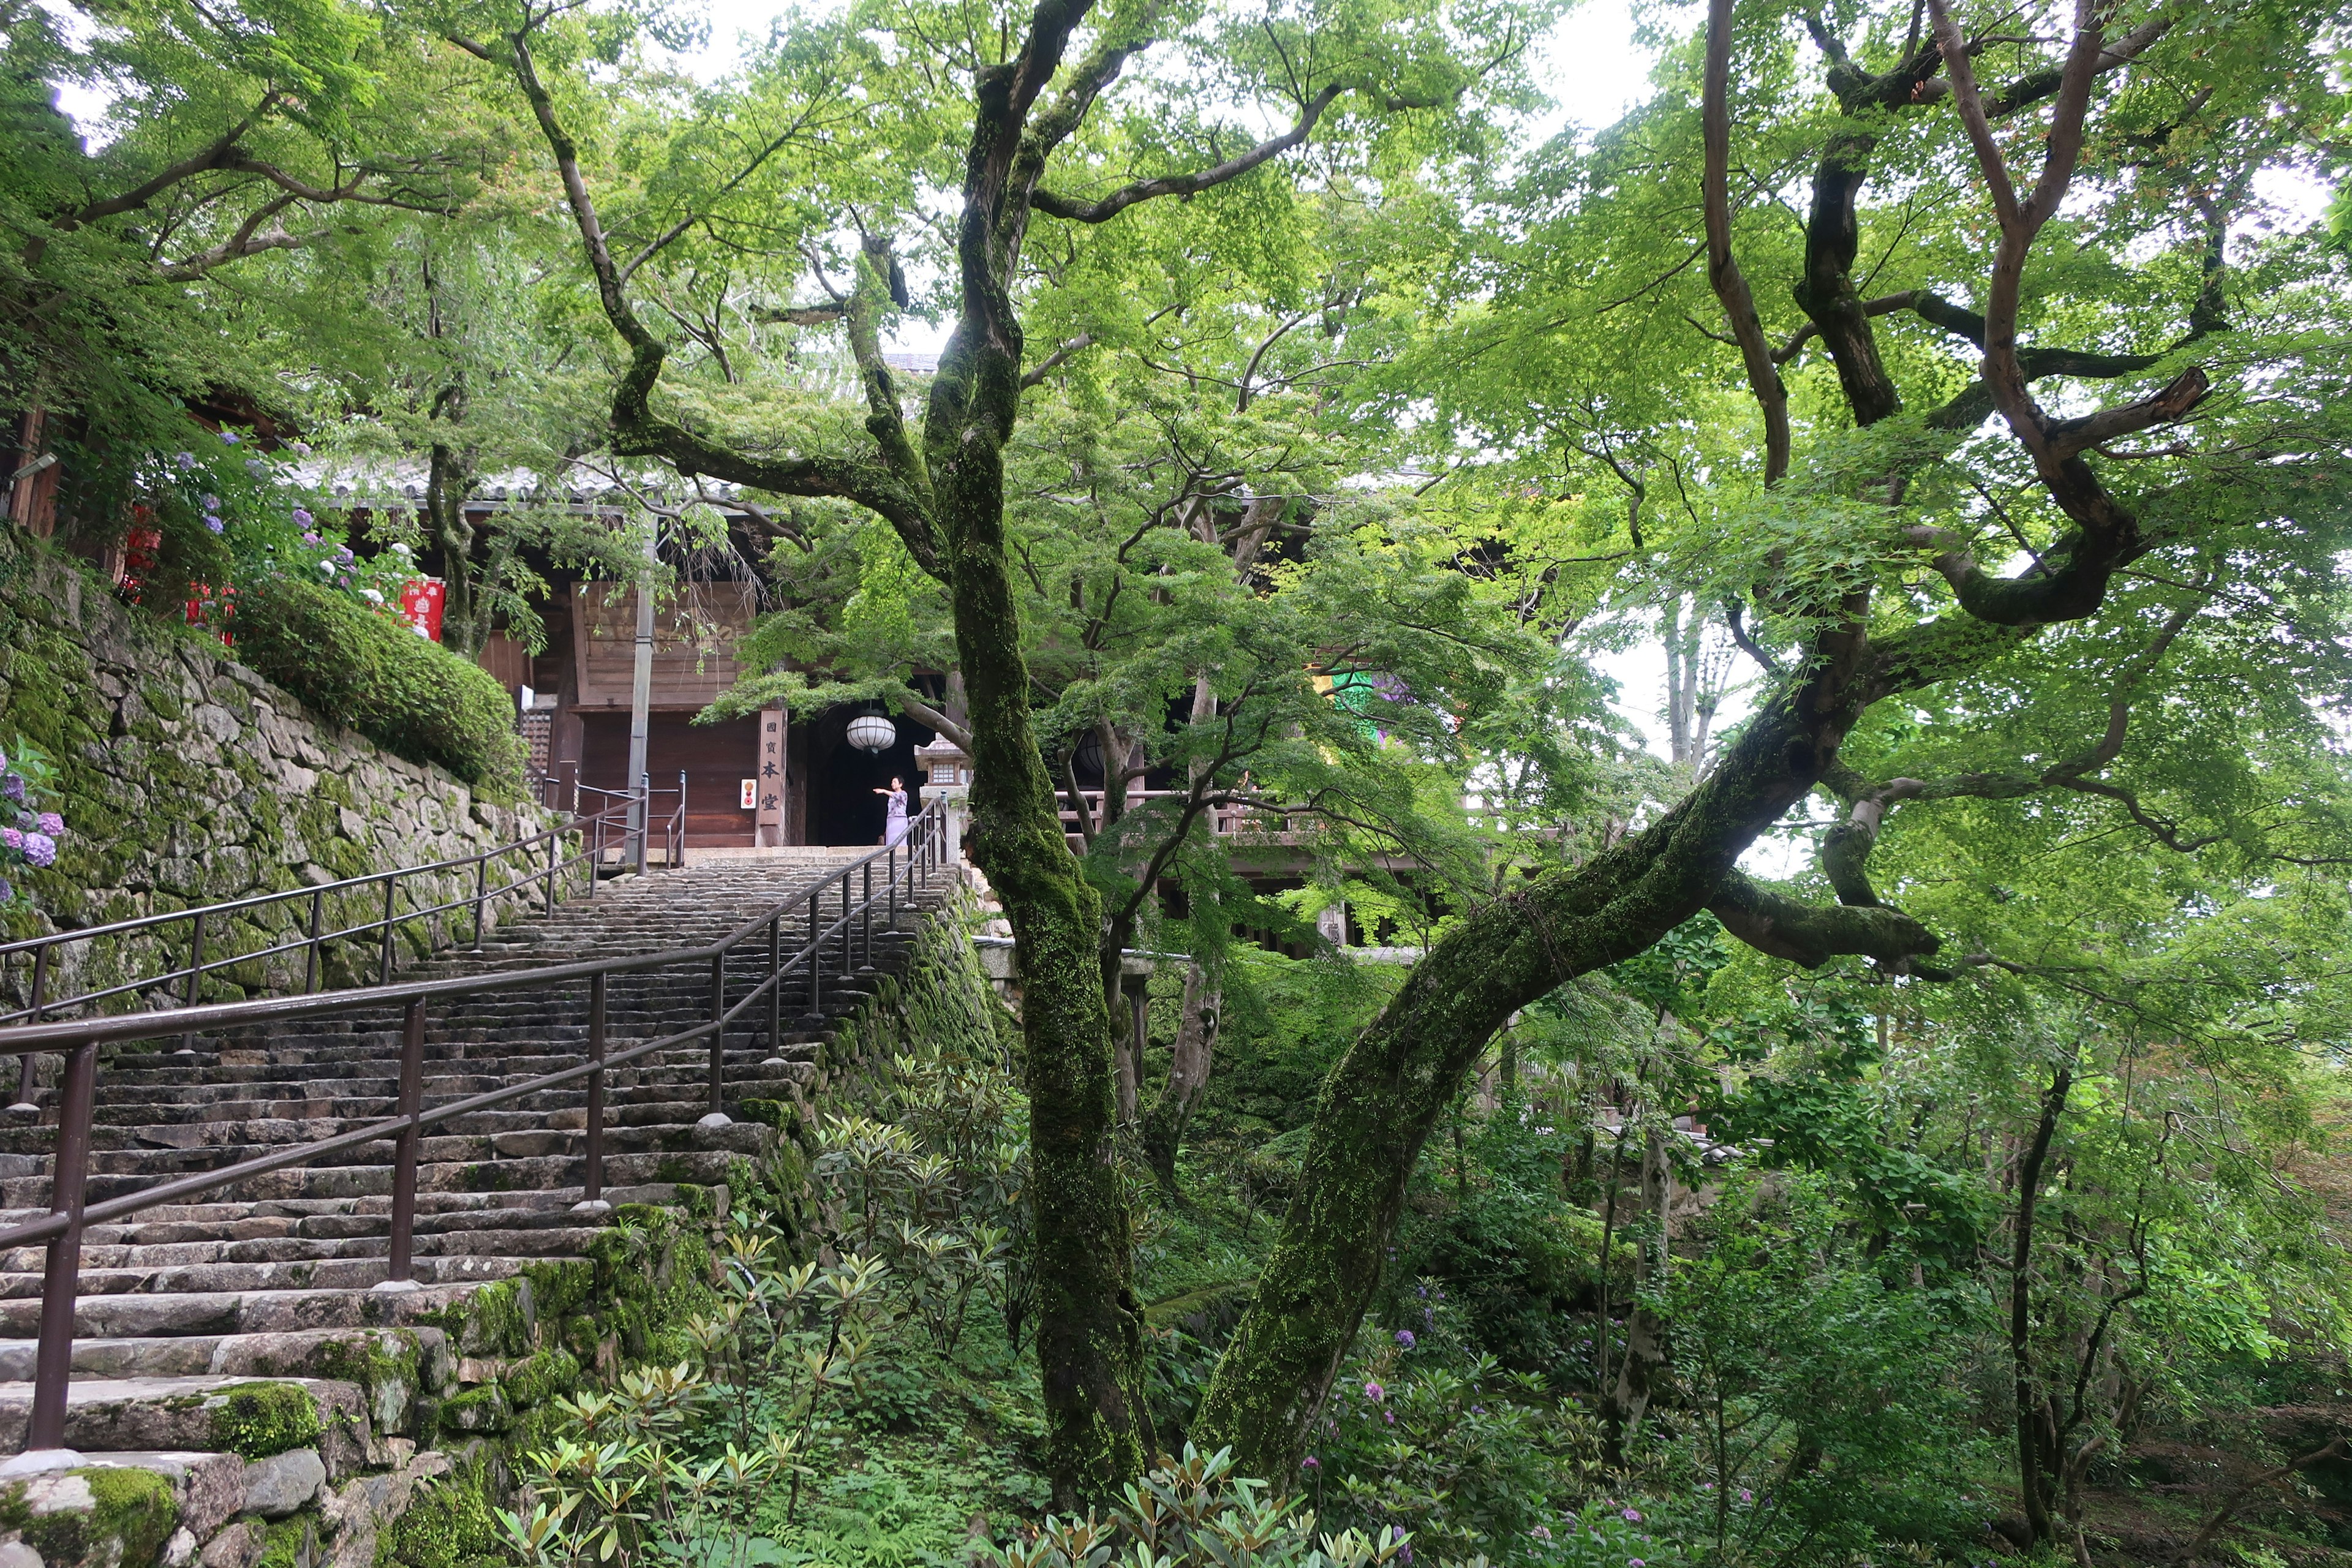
31	831
248	515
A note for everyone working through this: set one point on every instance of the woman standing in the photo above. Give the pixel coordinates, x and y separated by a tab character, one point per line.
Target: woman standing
894	803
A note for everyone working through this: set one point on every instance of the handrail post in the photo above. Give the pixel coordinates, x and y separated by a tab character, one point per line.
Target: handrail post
816	954
195	975
404	1155
481	894
25	1083
383	966
866	917
554	852
776	985
848	945
312	965
592	1180
677	849
892	858
643	817
717	1116
61	1279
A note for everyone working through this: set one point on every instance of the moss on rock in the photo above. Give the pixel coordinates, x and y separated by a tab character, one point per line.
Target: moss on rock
131	1514
257	1420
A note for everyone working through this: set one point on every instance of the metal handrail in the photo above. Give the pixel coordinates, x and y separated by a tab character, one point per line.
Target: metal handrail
188	978
915	862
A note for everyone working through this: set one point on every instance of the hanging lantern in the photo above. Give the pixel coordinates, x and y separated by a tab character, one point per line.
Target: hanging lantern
872	732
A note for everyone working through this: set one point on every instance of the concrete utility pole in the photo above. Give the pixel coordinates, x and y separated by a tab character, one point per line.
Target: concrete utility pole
641	688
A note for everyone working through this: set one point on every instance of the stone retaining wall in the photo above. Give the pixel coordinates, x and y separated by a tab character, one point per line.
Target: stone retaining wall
187	779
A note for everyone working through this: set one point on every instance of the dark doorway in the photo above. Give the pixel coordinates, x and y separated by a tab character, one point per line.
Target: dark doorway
842	806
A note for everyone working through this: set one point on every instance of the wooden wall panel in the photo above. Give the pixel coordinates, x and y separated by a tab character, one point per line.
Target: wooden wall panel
694	648
717	759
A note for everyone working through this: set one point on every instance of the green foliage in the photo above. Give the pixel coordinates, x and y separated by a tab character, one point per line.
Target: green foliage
1466	1457
1194	1513
733	1455
1829	1401
448	1524
375	675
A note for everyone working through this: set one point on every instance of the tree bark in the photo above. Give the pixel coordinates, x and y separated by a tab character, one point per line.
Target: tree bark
1188	1076
2032	1449
1645	1331
1383	1098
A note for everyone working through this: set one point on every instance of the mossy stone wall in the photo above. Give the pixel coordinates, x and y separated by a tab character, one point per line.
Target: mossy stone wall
187	779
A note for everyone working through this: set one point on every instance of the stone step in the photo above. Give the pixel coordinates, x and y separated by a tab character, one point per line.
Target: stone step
374	1241
143	1316
195	1414
463	1076
365	1215
702	1167
312	1353
749	1138
168	1126
322	1274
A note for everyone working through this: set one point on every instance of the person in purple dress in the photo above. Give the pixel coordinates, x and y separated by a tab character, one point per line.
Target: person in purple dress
894	803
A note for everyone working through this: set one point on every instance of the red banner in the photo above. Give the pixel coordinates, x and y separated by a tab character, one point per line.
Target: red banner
420	605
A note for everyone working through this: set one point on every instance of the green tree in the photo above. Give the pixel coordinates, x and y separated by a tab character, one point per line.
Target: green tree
1026	89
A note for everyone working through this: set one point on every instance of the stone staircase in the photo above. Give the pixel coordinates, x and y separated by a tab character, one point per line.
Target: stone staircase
181	1307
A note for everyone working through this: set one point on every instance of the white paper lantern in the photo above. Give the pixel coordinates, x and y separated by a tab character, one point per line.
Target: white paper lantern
872	732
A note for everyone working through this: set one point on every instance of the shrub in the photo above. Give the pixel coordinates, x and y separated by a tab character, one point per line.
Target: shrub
368	672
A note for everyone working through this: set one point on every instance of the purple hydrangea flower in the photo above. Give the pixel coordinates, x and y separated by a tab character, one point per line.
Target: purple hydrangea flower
302	517
212	503
10	838
1373	1392
310	539
7	893
1633	1516
213	523
255	467
1310	1463
13	787
1390	1416
1404	1337
52	824
231	436
40	849
186	460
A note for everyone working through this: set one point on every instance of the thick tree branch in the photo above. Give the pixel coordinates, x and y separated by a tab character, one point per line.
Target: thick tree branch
931	719
637	431
1119	201
1812	934
1036	376
1722	268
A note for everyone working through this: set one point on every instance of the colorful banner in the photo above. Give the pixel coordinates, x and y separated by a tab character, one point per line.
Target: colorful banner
421	602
